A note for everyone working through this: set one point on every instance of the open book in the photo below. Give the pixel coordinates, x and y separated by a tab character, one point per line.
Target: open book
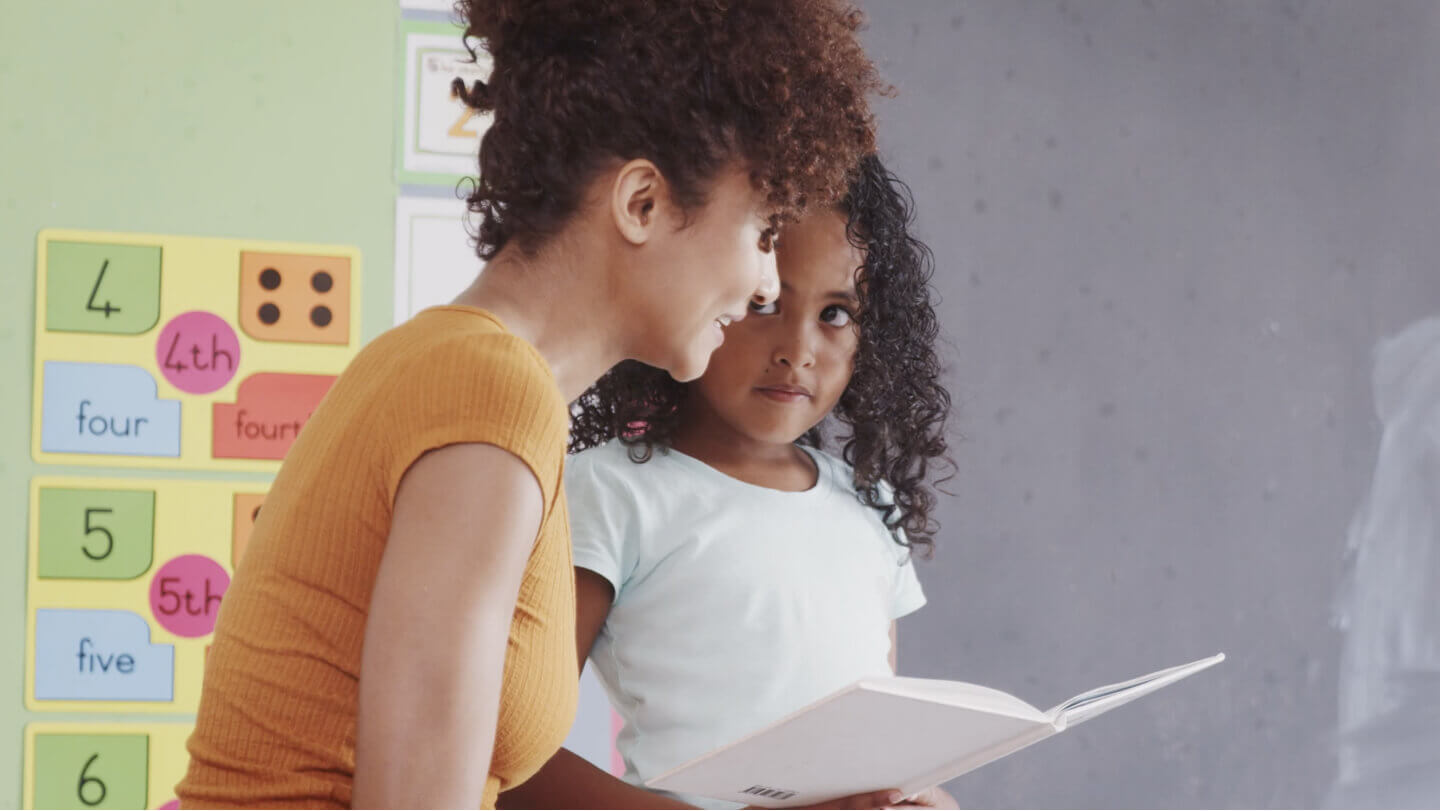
906	734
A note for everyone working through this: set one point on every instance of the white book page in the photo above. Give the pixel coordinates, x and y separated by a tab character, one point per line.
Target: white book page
863	739
895	732
1102	699
956	693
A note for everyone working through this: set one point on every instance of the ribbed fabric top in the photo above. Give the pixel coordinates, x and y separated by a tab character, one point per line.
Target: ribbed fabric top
277	715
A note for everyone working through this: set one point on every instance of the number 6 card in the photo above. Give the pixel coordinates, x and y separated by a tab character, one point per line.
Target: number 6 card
185	352
101	765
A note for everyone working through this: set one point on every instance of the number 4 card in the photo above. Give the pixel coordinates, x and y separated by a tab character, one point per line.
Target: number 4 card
183	352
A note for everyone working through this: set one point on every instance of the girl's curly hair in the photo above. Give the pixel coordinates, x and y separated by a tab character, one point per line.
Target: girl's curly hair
894	407
692	85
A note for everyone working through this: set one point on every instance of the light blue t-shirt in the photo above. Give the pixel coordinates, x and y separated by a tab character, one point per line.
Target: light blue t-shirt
735	605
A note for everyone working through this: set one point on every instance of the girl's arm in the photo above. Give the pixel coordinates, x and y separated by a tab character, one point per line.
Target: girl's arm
464	524
569	780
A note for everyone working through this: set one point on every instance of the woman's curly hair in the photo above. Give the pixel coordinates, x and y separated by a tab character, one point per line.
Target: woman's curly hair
781	86
894	409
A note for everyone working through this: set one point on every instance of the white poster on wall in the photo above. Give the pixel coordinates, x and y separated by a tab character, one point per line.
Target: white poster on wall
442	134
434	257
446	6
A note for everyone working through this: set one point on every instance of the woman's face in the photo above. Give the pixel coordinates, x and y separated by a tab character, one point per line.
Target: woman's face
783	369
702	275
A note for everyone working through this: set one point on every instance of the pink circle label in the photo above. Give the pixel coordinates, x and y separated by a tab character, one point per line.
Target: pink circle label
198	352
171	804
185	595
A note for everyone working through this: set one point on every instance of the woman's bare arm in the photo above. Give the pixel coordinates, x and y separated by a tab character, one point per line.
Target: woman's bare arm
464	524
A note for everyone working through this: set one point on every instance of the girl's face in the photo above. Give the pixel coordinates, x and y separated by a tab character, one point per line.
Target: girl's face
706	273
783	369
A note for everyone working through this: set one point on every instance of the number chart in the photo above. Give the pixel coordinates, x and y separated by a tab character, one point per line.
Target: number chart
102	765
125	579
185	353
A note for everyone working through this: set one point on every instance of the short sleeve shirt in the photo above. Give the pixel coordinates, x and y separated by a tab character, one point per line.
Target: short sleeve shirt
734	605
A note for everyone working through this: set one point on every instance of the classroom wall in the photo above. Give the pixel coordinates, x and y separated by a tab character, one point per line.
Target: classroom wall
263	120
1187	255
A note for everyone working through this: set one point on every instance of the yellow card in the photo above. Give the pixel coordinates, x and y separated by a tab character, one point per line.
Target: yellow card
185	352
125	579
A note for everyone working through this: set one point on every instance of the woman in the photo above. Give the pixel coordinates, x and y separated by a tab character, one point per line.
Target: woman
404	615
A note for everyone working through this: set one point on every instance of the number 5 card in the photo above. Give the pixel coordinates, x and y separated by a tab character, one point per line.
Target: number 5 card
185	352
125	581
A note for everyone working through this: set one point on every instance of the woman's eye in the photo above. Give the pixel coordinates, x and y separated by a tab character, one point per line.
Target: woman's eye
768	240
768	308
836	316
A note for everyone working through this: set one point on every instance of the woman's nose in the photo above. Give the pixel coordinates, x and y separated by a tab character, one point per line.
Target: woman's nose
769	288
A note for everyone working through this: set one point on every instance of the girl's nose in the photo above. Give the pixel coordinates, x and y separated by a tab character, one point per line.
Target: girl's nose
795	352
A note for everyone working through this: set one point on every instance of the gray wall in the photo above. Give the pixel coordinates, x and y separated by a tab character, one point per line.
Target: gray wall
1171	238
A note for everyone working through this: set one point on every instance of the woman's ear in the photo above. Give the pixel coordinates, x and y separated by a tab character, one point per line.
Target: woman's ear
636	197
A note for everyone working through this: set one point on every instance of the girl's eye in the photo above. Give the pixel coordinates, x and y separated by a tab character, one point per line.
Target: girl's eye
836	316
758	308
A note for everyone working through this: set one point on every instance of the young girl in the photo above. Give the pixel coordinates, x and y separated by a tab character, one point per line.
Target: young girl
400	631
729	571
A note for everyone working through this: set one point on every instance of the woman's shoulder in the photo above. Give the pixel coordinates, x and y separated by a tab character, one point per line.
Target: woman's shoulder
445	336
456	362
453	376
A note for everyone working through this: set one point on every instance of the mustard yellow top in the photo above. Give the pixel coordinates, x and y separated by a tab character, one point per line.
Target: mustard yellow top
277	715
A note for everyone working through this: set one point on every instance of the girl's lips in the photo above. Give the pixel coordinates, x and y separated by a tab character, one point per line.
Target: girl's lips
784	394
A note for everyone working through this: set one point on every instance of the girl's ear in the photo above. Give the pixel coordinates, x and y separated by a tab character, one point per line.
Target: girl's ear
636	196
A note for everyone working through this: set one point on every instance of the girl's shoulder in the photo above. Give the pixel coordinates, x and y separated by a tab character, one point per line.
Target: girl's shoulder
841	476
837	472
586	464
606	488
613	466
607	457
